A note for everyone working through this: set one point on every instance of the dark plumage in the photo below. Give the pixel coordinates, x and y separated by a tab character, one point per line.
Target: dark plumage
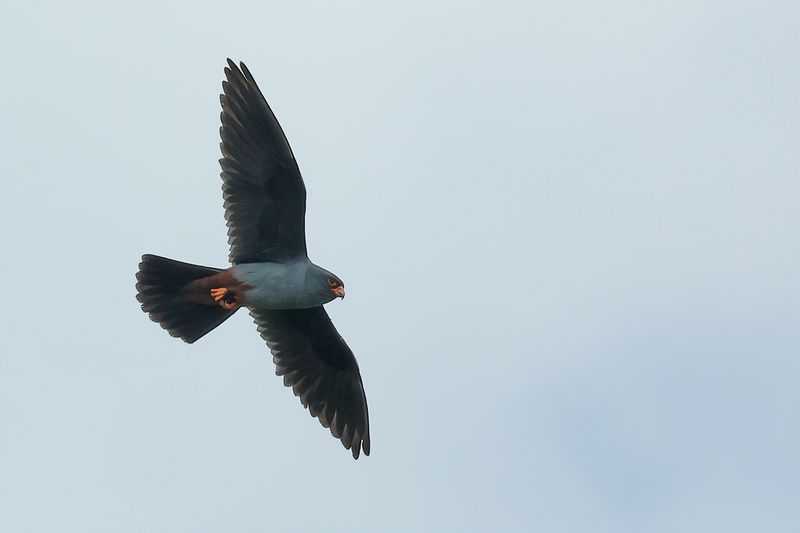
159	284
315	361
265	200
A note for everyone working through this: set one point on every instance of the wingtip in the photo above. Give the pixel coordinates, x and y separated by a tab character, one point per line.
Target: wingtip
246	72
233	67
365	443
359	443
360	447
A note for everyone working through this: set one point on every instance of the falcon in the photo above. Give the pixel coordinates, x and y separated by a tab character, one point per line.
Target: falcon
271	274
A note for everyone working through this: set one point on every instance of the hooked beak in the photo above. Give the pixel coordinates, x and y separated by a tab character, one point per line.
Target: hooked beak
338	291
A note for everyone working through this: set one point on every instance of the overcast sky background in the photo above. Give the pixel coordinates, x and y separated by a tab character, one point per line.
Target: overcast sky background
569	233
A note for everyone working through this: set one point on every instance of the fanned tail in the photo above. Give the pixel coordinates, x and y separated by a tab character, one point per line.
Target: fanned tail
159	289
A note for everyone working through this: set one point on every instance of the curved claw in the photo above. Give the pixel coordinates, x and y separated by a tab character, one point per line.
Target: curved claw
223	297
219	294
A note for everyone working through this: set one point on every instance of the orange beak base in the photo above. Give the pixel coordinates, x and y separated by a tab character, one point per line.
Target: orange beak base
338	291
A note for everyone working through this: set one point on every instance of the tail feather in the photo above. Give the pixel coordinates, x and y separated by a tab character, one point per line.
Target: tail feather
159	284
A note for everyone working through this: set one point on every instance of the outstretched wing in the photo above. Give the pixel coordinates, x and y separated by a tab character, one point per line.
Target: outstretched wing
320	368
265	198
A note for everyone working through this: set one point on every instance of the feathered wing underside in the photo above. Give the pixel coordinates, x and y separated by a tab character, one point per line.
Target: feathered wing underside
263	191
321	369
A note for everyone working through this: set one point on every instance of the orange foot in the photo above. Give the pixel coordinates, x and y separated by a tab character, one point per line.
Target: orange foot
224	300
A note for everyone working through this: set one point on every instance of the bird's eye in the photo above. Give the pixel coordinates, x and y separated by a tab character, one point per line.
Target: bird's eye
332	282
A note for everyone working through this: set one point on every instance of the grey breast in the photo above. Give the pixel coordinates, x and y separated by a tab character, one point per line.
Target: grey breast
276	285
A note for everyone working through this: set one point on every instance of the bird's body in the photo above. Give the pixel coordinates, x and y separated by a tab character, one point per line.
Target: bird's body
281	285
267	285
264	199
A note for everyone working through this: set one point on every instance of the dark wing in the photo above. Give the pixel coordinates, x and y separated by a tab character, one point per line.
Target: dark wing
265	199
319	367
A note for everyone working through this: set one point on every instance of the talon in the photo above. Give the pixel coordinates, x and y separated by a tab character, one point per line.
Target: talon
224	299
219	294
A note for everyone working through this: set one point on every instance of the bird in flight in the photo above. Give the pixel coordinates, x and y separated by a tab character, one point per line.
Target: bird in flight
265	203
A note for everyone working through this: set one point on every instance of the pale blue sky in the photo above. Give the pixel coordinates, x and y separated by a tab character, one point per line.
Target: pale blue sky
569	233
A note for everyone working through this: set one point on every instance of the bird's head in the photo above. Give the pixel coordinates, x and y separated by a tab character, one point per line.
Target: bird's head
324	283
